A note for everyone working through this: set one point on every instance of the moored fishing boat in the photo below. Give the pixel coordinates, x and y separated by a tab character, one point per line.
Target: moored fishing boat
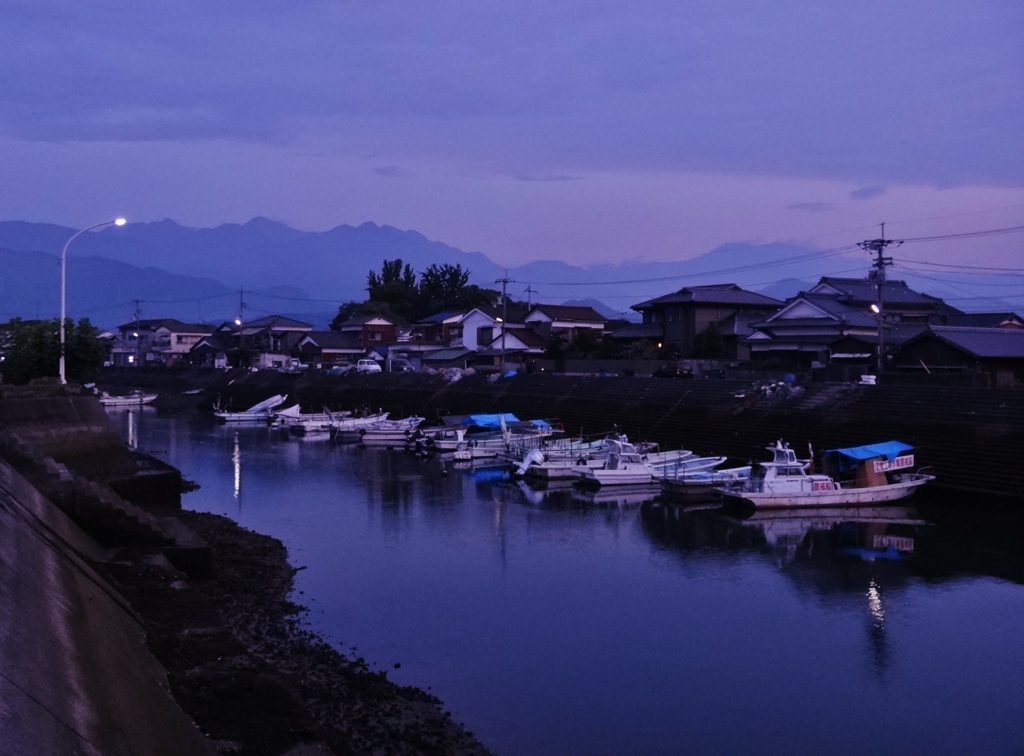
624	465
350	429
389	433
258	413
133	399
856	475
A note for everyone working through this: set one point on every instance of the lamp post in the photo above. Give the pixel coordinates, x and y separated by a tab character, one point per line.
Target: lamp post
63	283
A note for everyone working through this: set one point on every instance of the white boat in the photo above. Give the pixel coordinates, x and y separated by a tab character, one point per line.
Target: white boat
350	429
390	433
134	399
623	466
704	482
863	475
674	464
298	423
258	413
543	464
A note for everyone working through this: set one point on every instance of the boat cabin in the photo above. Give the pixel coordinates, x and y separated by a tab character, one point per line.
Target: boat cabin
867	466
785	474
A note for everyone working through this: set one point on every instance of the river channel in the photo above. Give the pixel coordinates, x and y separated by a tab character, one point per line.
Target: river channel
555	623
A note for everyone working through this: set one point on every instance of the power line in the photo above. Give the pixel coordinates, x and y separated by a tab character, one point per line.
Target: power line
742	268
966	235
1012	271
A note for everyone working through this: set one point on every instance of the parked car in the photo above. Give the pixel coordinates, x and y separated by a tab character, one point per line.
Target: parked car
673	370
400	365
368	366
341	368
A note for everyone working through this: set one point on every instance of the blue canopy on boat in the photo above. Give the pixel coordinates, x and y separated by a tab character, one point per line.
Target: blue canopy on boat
888	449
492	421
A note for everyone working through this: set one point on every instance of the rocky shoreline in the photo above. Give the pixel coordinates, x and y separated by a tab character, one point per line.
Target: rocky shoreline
253	680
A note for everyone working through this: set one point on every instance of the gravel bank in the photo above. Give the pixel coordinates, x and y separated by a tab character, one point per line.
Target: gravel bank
251	678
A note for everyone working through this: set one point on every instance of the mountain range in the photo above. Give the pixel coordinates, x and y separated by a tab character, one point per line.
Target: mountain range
263	267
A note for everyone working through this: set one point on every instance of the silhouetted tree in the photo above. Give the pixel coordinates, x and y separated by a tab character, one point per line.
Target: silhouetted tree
32	350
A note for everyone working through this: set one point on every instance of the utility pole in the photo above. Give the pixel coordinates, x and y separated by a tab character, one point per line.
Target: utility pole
138	333
241	327
504	315
530	291
878	276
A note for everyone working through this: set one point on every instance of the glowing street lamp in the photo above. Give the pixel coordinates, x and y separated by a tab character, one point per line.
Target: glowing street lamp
63	283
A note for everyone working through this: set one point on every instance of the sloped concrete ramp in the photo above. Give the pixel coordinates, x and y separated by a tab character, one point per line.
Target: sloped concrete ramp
76	676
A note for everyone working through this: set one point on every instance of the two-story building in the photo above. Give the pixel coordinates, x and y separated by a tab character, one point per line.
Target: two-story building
164	341
675	321
564	320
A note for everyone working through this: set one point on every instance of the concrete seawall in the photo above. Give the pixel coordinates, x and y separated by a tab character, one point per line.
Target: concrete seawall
76	676
972	437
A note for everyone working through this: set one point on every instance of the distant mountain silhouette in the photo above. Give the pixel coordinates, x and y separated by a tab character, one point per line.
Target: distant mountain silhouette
196	274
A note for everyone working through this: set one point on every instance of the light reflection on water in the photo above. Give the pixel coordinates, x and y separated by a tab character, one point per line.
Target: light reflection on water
559	622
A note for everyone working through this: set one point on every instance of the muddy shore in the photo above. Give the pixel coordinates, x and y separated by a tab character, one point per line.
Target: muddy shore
255	682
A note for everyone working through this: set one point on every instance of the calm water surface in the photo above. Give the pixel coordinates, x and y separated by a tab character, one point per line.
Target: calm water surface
553	624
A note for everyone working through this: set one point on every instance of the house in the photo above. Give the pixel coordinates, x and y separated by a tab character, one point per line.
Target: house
678	320
565	320
218	350
437	329
165	341
371	330
268	342
481	325
999	352
836	320
514	348
327	348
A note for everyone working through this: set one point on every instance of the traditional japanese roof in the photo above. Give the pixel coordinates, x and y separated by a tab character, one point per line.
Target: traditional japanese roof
723	294
441	317
527	336
638	331
279	322
215	342
333	340
1008	320
569	312
865	291
982	343
171	324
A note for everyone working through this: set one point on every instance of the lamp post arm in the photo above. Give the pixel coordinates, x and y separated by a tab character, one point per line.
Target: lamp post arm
63	287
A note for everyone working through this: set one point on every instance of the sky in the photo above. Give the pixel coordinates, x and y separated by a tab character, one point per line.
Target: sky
579	131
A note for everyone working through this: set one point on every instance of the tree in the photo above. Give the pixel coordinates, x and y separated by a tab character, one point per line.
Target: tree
32	350
395	287
447	287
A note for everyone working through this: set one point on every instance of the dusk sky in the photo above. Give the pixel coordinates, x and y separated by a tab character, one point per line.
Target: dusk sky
586	132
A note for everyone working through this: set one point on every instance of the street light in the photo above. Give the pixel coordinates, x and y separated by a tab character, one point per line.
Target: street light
63	282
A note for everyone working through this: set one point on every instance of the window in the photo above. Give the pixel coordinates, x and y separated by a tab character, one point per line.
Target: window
376	336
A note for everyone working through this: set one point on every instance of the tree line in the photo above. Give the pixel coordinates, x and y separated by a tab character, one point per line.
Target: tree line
398	294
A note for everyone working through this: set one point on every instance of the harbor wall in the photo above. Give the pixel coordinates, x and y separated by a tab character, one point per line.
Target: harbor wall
973	438
78	677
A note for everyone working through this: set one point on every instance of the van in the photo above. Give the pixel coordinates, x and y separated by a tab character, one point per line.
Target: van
367	366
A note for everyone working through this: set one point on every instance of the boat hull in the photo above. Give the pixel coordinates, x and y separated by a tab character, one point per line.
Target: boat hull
835	498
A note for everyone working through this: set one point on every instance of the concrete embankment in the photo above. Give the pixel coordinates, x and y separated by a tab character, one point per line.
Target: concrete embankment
76	676
127	625
972	437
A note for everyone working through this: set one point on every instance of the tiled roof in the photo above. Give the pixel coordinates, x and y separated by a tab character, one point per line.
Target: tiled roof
333	340
278	321
570	312
984	319
983	342
865	291
726	294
